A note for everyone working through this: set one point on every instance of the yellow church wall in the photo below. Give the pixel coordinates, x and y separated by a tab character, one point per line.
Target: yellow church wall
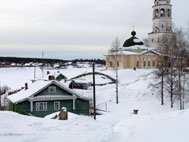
130	61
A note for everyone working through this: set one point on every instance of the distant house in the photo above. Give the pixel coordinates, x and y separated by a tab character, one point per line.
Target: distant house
79	85
55	76
60	76
46	97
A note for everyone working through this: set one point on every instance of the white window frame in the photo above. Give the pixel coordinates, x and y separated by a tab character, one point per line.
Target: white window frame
52	89
41	106
57	103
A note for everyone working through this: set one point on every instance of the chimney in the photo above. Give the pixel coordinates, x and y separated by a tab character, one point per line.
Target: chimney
51	77
26	86
48	72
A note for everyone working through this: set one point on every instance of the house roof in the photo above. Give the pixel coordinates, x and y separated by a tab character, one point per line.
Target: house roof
37	87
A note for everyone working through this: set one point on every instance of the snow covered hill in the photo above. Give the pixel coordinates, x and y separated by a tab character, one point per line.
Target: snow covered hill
153	122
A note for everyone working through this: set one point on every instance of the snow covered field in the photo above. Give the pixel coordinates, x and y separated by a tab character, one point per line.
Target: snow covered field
154	123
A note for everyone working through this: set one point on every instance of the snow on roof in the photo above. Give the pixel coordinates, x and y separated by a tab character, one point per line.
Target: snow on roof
130	51
151	51
36	87
24	94
123	53
55	74
136	40
141	47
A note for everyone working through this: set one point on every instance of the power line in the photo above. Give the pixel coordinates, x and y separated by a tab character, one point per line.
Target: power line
144	12
140	17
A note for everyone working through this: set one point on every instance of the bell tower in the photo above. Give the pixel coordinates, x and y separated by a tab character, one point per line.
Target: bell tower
162	21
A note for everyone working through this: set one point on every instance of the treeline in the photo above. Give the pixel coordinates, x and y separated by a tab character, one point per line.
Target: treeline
97	61
20	60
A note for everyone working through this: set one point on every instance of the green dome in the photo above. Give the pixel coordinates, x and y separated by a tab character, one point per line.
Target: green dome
132	41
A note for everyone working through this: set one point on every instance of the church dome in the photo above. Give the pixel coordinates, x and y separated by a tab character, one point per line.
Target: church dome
132	41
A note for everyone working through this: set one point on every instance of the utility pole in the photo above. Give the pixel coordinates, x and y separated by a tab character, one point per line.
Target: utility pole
94	93
115	46
117	101
162	83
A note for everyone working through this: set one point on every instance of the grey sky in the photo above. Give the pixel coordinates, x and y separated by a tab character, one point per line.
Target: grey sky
71	29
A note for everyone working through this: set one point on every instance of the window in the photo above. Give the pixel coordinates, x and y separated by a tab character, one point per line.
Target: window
41	106
137	63
56	105
110	64
117	63
144	63
162	12
153	63
52	89
149	63
156	13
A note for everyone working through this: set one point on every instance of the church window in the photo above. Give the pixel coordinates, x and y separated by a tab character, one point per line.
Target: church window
110	64
137	63
153	63
144	63
162	12
117	63
149	63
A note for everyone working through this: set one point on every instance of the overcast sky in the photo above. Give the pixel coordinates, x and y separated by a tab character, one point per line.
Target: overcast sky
69	29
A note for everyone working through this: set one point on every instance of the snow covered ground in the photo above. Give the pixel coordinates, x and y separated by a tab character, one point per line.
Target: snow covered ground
154	123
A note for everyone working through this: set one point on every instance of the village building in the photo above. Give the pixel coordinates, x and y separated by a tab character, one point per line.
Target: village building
42	98
134	54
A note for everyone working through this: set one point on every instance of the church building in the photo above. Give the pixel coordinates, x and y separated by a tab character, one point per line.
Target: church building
133	53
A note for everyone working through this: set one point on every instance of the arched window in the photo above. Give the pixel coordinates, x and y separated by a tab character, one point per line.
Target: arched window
156	13
162	12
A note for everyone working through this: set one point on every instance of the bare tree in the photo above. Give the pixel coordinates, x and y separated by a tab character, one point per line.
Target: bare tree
115	49
164	44
181	60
